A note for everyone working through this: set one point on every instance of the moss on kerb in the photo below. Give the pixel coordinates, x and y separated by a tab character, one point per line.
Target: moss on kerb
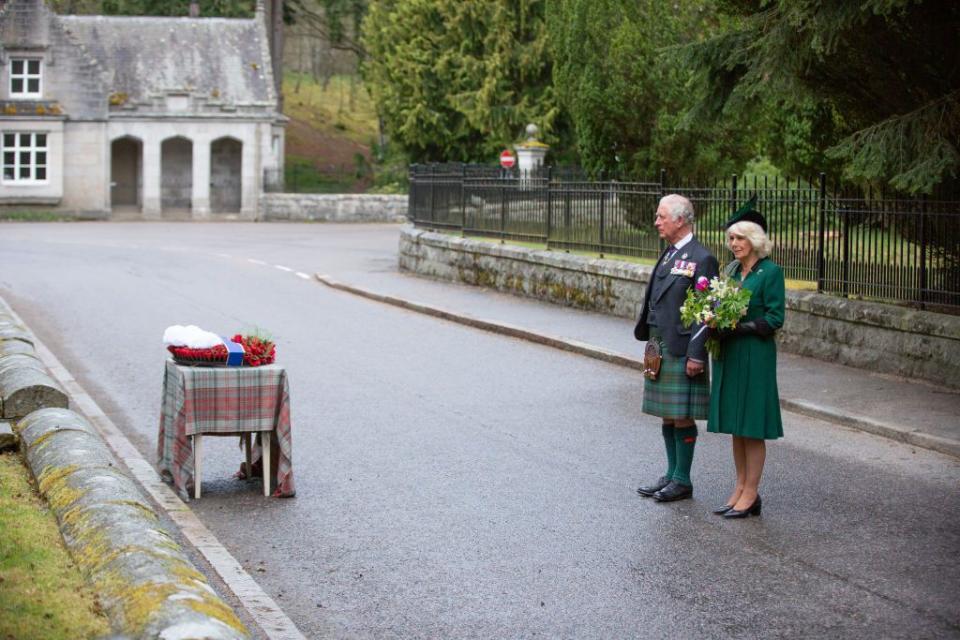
137	604
51	476
41	441
142	601
215	608
144	510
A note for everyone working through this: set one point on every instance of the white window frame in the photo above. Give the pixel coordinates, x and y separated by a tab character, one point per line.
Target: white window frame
25	150
25	76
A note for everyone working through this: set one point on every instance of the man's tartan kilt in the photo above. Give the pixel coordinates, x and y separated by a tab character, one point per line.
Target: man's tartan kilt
673	394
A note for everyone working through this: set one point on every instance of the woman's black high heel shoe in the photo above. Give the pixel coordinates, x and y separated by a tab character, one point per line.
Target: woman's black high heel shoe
722	509
752	510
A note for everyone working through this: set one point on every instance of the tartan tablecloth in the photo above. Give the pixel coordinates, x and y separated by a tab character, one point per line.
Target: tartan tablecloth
223	400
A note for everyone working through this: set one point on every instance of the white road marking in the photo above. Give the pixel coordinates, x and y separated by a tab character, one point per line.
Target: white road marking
301	274
282	268
255	261
223	255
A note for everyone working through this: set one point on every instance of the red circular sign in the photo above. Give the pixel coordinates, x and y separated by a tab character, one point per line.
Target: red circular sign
507	159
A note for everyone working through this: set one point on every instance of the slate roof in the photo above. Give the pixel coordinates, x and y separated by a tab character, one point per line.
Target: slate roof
143	57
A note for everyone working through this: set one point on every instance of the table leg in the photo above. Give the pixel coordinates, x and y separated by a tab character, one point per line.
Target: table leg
265	442
196	466
246	445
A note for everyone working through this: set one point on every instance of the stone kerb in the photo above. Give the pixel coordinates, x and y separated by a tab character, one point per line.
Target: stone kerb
25	384
147	584
879	337
311	207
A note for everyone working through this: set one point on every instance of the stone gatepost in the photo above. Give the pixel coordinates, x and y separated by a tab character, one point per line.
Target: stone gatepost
530	152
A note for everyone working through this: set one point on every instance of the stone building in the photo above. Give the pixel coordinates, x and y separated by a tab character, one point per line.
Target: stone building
139	116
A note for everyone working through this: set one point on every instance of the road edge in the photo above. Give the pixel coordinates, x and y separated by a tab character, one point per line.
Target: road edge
263	610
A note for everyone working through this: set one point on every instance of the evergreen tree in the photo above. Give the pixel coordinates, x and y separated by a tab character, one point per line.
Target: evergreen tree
884	75
457	81
617	74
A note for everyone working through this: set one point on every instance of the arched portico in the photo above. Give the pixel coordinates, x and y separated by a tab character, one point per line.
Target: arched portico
126	174
176	175
226	175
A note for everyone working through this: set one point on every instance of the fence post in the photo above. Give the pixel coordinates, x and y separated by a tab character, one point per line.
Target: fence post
603	206
503	208
463	200
663	184
432	179
923	252
822	235
845	230
733	192
412	198
549	205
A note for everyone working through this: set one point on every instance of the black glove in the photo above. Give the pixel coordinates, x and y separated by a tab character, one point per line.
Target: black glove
723	334
758	327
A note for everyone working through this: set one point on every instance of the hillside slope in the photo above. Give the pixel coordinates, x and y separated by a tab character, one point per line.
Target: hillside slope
329	136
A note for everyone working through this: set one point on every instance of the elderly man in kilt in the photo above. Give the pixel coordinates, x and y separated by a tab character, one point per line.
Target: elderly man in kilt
678	393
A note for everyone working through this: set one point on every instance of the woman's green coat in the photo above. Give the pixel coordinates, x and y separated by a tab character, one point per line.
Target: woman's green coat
744	400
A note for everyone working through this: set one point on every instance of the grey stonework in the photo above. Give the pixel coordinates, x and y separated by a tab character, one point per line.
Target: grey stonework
118	88
301	207
144	579
881	338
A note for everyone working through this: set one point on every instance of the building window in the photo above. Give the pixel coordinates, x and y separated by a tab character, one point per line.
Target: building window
24	78
24	157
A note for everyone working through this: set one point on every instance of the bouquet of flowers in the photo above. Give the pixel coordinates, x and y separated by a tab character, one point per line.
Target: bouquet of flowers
718	303
193	345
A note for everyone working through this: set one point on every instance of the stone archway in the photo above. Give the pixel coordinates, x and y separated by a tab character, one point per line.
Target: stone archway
226	175
126	174
176	175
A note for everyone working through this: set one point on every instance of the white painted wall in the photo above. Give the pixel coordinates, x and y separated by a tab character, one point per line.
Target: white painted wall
86	168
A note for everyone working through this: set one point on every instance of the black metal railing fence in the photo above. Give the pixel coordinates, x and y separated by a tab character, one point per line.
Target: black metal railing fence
849	242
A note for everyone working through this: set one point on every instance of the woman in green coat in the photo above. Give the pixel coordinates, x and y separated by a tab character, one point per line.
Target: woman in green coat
744	401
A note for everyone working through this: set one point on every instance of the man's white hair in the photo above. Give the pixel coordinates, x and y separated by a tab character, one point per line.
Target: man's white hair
678	207
754	234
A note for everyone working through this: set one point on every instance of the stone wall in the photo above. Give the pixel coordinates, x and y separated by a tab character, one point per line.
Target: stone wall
313	207
879	337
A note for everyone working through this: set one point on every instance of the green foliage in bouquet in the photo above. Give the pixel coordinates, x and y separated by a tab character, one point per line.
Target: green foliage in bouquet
718	303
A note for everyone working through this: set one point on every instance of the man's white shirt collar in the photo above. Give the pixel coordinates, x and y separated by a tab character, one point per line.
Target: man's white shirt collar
684	240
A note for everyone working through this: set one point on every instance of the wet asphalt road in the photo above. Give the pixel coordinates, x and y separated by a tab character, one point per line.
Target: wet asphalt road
457	484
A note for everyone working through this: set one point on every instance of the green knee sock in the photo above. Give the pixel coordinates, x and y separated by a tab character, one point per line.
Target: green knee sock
670	440
685	441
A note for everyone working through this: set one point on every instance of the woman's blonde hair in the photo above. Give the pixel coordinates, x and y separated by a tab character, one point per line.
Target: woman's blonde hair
751	231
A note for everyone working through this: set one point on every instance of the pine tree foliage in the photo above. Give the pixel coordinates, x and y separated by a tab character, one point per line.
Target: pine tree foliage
887	70
457	81
618	76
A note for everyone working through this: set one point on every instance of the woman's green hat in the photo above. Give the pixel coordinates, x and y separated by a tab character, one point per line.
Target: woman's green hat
748	213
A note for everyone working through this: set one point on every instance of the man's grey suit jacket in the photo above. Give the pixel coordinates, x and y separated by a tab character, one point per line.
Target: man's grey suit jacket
672	295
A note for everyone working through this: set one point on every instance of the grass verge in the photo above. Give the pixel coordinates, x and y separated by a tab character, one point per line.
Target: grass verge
43	595
31	216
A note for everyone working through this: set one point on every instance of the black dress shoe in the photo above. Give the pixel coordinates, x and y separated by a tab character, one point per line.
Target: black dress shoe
752	510
674	491
650	489
722	509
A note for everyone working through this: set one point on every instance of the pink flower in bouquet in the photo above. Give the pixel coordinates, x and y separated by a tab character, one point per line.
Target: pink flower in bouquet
702	283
